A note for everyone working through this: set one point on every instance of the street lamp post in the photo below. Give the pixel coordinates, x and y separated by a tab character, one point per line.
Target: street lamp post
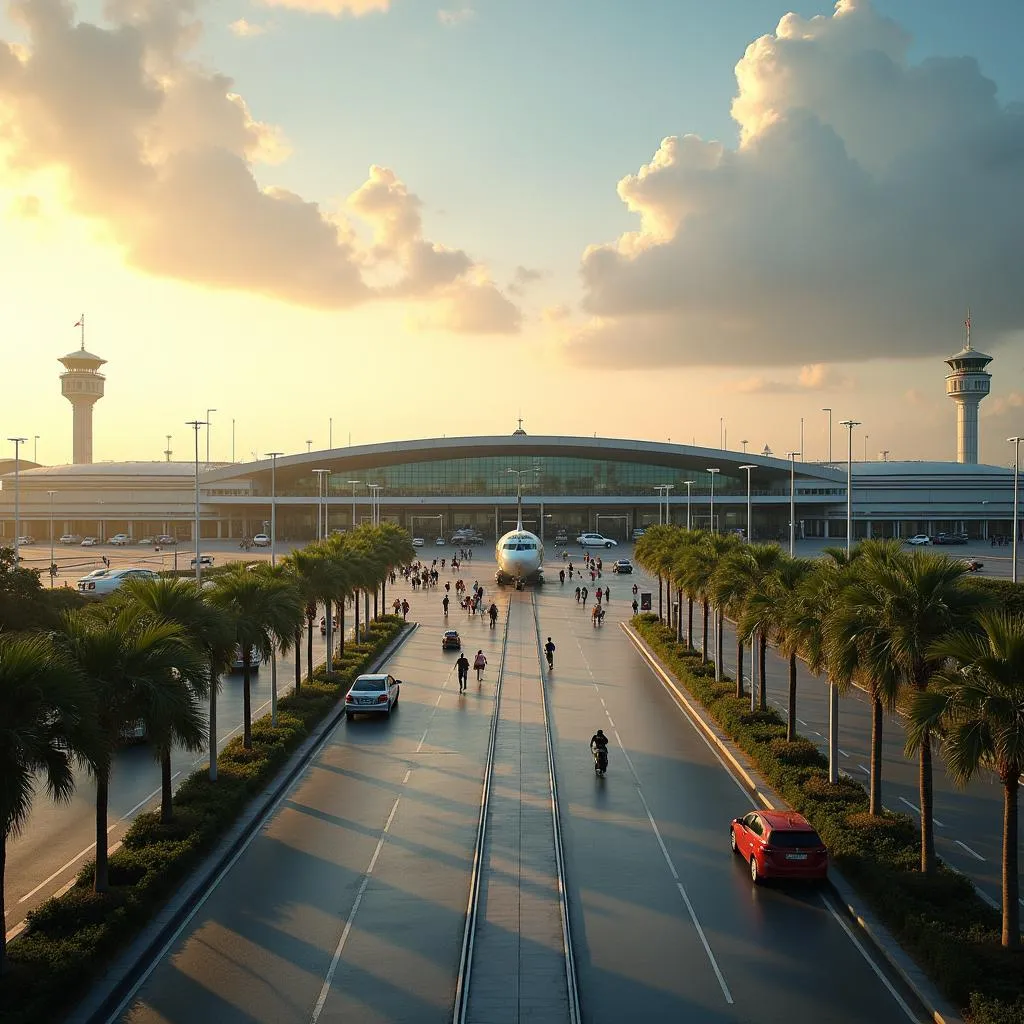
849	424
713	471
320	474
1015	441
52	563
195	425
207	421
273	456
750	522
35	448
866	437
18	442
792	502
829	411
375	490
689	485
354	483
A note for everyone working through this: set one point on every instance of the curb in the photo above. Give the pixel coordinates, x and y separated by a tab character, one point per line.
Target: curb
938	1007
131	962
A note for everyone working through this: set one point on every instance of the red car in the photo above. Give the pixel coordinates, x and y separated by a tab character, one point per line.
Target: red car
779	844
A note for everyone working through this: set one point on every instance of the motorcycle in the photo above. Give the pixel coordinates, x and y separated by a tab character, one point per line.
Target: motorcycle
600	761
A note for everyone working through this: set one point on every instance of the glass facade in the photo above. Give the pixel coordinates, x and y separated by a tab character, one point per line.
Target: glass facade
549	476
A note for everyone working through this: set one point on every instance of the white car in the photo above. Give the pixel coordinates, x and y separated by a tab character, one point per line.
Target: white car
26	540
206	560
417	542
70	538
596	540
440	542
919	538
261	540
89	542
372	695
255	659
120	540
106	581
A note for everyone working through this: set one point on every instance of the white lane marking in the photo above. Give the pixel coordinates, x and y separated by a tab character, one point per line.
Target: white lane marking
629	760
816	733
803	723
917	811
610	719
433	711
336	959
843	752
408	772
686	900
78	856
866	771
423	739
964	846
603	703
871	963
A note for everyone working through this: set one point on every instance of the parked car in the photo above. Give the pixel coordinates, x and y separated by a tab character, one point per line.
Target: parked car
255	659
950	538
26	539
120	540
147	541
166	538
70	538
451	641
203	560
596	540
778	844
919	538
89	542
417	542
106	581
334	624
561	538
440	542
623	565
973	564
638	532
261	540
372	695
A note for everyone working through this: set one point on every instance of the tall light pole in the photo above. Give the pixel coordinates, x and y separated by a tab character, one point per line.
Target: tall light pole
1015	441
207	421
51	494
18	442
750	522
849	424
354	483
829	411
713	471
375	490
744	443
689	485
35	448
320	474
866	436
662	490
792	502
273	456
800	453
195	425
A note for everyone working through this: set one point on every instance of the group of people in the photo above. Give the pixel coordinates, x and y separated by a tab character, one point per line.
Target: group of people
401	607
462	668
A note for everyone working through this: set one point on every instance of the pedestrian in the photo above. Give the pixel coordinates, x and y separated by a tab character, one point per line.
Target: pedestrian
479	663
577	595
583	596
607	594
599	594
636	606
397	606
462	666
405	610
444	605
493	613
635	589
561	576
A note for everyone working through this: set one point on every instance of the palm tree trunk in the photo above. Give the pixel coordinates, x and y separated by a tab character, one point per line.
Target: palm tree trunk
762	675
355	602
791	725
689	623
661	616
926	796
679	617
1011	879
246	699
298	657
329	626
719	641
704	639
739	665
3	902
214	679
309	651
875	784
166	807
101	879
341	628
383	596
375	614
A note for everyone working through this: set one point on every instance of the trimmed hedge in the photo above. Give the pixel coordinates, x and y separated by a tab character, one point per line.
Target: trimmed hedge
939	920
69	939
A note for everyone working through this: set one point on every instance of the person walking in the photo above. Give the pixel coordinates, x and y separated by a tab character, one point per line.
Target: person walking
462	666
493	613
583	596
561	576
397	606
636	606
577	595
444	605
405	610
479	663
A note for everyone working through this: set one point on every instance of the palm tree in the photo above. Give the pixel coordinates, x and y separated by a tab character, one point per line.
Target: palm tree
259	607
718	546
976	703
182	600
322	579
136	667
42	700
924	600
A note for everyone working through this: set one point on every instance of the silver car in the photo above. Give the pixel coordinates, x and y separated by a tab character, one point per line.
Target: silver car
372	695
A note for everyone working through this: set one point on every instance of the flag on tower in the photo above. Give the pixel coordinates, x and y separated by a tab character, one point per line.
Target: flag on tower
80	322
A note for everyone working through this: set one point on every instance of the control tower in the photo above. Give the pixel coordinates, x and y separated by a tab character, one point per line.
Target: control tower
967	383
82	385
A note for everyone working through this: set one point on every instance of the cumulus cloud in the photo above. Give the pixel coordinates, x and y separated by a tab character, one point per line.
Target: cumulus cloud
814	377
162	152
335	8
455	15
246	29
522	278
868	202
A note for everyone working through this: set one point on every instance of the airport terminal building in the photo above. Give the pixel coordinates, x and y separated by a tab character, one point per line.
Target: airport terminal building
432	486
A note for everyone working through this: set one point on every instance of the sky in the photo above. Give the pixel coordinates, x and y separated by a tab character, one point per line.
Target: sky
369	220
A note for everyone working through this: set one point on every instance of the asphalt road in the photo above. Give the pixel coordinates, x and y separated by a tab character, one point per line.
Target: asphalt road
349	903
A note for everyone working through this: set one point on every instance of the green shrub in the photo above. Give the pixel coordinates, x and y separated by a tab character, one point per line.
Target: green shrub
68	939
938	918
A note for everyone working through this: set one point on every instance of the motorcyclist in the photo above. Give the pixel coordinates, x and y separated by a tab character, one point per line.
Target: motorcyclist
599	748
549	651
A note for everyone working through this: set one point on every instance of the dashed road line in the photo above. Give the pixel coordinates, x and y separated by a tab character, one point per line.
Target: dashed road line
973	853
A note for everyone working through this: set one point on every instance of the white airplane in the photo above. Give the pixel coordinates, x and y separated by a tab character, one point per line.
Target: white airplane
519	553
